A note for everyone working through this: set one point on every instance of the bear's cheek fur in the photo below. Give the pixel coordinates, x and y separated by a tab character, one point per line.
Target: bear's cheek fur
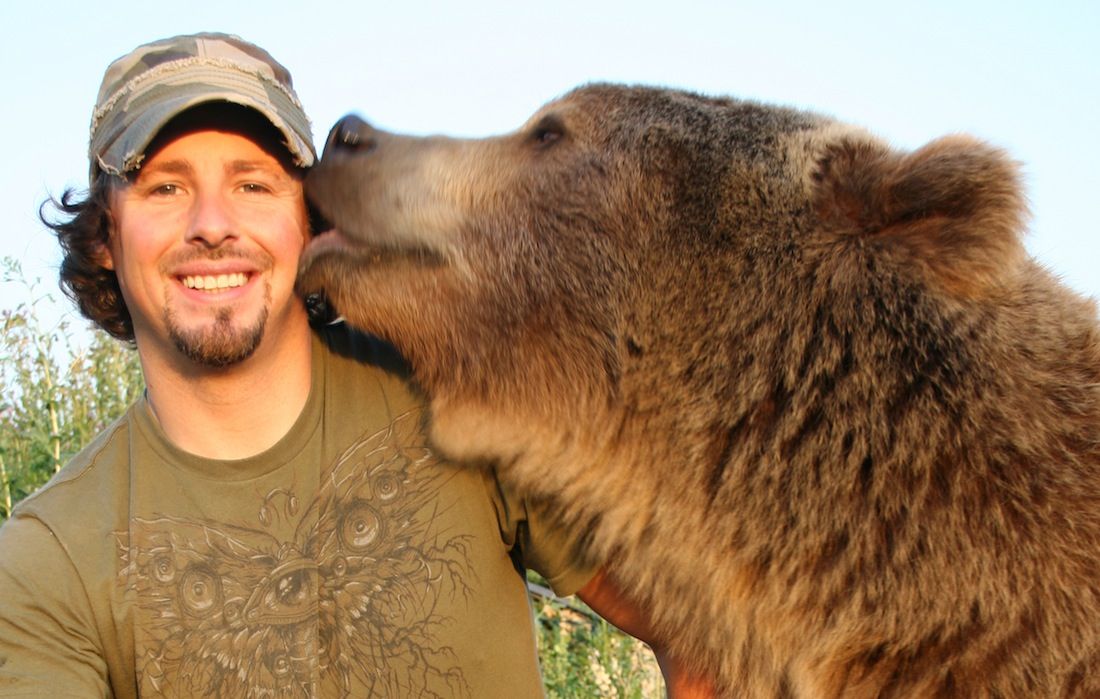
538	354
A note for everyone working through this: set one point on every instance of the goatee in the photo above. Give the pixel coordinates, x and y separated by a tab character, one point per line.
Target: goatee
218	346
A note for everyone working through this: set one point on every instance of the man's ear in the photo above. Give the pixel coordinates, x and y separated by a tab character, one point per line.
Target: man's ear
102	252
103	257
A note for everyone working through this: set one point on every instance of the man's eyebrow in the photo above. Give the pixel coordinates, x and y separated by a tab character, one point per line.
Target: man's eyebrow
183	167
244	165
170	167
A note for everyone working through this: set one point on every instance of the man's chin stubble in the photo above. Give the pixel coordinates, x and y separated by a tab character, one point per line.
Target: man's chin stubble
218	346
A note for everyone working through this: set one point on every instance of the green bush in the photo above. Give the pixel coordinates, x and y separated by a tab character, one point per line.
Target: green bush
583	656
59	392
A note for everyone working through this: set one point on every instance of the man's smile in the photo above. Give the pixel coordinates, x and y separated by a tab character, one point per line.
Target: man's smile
219	282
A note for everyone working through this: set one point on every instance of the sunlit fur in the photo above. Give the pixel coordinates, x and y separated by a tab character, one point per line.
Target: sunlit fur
809	393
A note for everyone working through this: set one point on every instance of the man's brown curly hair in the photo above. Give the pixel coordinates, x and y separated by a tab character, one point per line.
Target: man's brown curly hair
83	229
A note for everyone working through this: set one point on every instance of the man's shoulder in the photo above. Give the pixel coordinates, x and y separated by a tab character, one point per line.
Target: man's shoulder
360	349
363	368
94	478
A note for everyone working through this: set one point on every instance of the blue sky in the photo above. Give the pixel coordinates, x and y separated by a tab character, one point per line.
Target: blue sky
1022	75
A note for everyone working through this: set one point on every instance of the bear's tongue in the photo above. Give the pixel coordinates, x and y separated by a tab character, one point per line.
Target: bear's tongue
332	239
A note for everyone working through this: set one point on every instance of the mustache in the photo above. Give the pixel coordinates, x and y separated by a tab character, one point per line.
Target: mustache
259	259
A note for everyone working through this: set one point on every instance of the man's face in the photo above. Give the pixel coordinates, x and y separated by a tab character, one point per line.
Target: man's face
205	242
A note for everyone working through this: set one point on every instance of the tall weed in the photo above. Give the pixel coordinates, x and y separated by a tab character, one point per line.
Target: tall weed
60	388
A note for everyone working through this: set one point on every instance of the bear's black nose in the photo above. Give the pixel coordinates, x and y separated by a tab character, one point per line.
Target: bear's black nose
351	134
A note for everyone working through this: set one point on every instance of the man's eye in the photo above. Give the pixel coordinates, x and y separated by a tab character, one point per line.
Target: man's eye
167	189
254	188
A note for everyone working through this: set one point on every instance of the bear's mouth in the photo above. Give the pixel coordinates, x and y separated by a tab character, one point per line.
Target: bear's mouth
334	242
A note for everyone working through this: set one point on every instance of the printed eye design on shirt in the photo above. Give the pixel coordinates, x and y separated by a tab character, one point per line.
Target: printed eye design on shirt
348	606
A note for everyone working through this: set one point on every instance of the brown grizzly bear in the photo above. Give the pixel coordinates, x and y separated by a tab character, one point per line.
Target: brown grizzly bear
809	392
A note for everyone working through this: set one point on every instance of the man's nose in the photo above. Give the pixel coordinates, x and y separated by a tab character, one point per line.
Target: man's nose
212	222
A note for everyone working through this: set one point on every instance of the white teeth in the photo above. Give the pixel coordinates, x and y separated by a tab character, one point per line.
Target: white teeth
215	283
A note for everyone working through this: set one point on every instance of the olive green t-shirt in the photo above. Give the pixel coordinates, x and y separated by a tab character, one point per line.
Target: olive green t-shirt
347	560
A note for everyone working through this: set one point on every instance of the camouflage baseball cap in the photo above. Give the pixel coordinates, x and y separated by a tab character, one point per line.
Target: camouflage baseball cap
143	90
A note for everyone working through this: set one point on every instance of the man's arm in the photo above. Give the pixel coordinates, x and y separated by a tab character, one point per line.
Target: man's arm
603	595
48	642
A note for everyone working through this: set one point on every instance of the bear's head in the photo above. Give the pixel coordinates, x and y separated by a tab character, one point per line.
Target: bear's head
634	246
800	385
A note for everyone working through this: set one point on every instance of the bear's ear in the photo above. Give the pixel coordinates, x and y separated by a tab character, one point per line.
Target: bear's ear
953	207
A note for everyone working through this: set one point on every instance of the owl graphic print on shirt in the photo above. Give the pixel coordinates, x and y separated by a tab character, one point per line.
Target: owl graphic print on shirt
337	592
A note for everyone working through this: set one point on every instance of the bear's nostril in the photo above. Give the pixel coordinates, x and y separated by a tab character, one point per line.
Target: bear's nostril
351	134
354	140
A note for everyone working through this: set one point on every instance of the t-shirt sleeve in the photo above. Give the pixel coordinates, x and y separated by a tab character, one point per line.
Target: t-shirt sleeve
48	641
553	551
538	541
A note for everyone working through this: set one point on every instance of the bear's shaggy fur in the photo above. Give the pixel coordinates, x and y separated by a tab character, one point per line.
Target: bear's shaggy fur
810	393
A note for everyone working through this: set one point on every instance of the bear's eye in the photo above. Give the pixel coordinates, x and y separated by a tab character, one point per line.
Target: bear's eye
548	131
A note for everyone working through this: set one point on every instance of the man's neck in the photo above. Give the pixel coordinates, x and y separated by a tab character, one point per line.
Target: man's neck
235	412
